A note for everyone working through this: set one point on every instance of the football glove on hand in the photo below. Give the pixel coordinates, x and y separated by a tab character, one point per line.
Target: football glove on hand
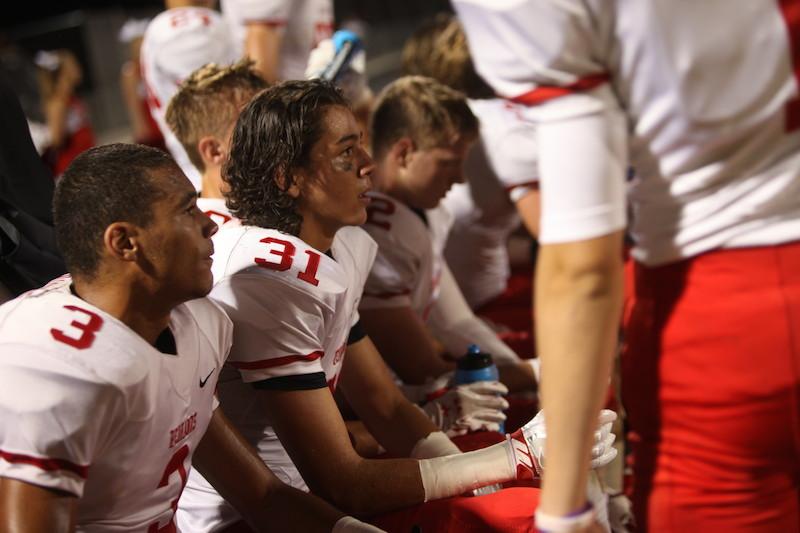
527	444
471	407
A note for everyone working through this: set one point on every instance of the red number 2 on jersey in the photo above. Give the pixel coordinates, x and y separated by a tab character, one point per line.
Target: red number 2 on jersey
790	10
286	255
87	329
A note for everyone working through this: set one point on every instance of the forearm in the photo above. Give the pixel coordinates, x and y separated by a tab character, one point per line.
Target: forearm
578	306
235	470
399	428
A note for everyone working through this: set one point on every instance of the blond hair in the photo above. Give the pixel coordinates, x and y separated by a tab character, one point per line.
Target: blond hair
209	101
422	109
438	49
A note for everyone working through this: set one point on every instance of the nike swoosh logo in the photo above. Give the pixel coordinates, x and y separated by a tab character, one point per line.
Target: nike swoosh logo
204	381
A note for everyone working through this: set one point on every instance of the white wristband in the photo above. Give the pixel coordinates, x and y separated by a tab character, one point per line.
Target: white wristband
436	444
546	523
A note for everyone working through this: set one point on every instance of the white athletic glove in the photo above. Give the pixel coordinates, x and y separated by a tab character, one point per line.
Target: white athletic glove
348	524
527	444
352	81
472	407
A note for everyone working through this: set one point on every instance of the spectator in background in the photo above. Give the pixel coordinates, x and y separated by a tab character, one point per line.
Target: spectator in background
134	92
66	114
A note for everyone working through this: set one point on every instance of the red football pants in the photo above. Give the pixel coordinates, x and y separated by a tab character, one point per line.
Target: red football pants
711	380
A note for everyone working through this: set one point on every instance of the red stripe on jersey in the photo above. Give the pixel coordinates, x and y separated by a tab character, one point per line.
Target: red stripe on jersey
272	23
45	463
387	295
548	92
278	361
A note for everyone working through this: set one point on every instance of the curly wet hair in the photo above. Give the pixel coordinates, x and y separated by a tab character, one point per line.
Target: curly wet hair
272	139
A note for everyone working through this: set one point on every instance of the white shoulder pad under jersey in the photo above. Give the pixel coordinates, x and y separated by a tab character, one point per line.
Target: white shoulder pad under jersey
408	265
292	306
89	407
177	42
712	123
216	210
304	23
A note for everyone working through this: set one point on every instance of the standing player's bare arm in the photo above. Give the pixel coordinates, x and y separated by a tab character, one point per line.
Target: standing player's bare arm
578	301
28	508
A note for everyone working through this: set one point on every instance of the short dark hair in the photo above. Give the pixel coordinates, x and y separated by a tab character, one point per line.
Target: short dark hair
422	109
272	138
105	184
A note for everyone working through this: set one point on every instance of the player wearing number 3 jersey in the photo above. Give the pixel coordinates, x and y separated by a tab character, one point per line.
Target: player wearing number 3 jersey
107	376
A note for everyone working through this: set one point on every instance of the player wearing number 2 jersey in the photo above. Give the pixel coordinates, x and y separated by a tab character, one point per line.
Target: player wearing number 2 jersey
107	376
704	97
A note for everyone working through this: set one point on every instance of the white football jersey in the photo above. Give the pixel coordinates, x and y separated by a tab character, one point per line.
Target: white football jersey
499	168
704	96
176	43
408	266
292	307
216	209
304	24
90	408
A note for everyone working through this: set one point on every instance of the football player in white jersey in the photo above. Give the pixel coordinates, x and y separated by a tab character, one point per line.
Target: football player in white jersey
291	277
278	34
202	115
500	169
703	103
179	40
107	376
421	132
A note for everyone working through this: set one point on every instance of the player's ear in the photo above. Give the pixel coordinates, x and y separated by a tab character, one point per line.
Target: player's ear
401	151
121	240
211	151
293	186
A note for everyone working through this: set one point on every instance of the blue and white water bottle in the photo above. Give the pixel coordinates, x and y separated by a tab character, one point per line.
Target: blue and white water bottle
474	366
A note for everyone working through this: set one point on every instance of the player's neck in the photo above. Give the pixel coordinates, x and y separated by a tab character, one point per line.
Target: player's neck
385	180
210	187
316	235
136	308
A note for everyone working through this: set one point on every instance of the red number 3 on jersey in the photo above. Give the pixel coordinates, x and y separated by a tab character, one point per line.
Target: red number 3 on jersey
86	329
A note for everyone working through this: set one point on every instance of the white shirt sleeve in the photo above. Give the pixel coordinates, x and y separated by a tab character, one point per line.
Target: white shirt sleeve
392	279
278	328
54	419
551	56
274	12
